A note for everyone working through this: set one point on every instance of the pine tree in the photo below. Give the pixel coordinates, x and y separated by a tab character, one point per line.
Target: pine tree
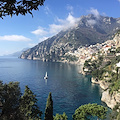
28	106
49	108
90	111
9	100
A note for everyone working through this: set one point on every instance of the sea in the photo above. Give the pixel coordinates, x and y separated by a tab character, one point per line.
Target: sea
69	88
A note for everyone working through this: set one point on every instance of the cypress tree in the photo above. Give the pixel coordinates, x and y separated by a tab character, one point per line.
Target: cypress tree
49	108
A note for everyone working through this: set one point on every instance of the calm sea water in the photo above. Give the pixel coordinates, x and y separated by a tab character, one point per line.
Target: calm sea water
69	88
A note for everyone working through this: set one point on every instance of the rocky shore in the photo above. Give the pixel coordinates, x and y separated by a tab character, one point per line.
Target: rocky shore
110	100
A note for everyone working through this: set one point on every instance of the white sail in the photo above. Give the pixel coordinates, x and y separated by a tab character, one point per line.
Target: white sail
46	76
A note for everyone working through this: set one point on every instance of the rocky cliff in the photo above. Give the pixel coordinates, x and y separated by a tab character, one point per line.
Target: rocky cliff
88	31
105	71
110	100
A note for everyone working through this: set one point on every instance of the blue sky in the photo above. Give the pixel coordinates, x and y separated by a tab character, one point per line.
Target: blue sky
21	32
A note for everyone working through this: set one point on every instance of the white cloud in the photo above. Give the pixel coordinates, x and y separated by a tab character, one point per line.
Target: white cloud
14	38
104	14
72	20
91	22
54	29
42	39
69	22
62	24
47	10
118	0
95	12
40	31
32	44
70	8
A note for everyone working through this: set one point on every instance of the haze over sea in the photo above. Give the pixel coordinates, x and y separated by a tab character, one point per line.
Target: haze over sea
69	88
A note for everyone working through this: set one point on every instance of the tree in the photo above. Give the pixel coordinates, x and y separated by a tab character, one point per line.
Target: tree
28	106
49	108
85	112
115	114
17	107
61	117
16	7
9	97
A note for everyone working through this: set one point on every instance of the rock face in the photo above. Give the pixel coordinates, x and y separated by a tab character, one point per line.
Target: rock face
117	39
108	99
85	32
104	85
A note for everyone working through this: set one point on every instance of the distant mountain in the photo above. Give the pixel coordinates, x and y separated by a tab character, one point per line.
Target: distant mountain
18	53
89	30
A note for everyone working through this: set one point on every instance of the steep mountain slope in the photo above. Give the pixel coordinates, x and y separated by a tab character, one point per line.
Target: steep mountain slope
89	30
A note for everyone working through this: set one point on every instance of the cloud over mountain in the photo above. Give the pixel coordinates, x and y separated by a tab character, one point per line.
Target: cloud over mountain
95	12
91	22
70	21
61	24
40	31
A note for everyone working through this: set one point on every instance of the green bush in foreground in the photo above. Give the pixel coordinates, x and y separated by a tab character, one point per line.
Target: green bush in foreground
61	117
85	112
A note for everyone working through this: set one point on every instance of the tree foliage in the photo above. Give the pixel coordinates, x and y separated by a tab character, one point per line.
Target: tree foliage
115	114
17	107
85	112
9	96
49	108
16	7
28	106
61	117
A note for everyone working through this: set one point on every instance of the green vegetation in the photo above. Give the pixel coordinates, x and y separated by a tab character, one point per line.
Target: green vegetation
118	50
9	96
106	71
71	58
61	117
104	68
15	106
28	107
16	7
90	111
94	67
115	114
49	108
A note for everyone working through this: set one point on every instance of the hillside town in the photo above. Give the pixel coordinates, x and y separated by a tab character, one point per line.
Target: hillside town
90	52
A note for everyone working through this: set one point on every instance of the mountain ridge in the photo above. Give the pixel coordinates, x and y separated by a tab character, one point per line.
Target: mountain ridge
89	30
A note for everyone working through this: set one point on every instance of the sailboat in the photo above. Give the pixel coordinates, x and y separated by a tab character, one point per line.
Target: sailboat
46	76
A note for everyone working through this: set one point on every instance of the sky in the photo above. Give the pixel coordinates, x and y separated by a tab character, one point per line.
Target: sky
21	32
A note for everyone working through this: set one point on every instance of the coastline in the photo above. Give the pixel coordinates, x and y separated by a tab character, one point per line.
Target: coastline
110	100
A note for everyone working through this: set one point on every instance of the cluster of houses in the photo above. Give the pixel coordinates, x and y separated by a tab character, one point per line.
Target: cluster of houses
85	53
